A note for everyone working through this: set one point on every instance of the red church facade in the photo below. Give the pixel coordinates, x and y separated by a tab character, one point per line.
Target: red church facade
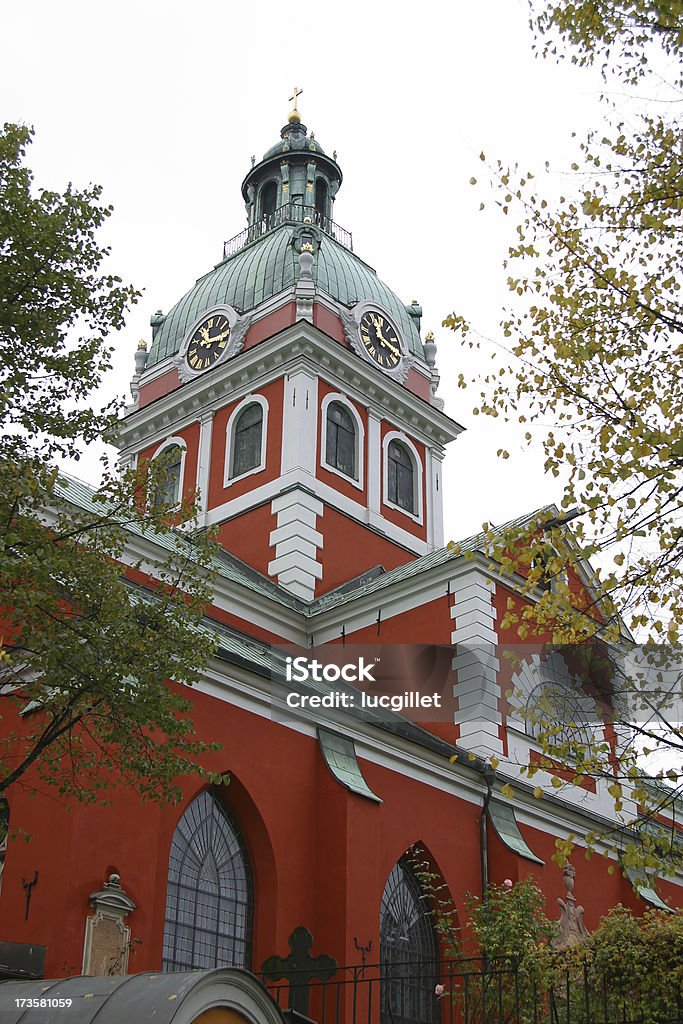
292	391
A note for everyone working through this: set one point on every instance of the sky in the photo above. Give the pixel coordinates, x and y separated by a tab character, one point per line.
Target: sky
163	104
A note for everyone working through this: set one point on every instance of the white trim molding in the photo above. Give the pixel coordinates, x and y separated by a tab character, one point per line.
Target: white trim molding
251	399
340	399
398	435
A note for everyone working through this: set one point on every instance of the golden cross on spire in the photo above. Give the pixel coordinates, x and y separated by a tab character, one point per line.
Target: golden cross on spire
294	114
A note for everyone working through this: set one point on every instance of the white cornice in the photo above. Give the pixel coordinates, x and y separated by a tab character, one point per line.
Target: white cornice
300	344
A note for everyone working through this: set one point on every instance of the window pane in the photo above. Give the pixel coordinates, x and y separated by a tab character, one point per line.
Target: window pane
247	436
408	952
168	485
209	897
340	450
401	477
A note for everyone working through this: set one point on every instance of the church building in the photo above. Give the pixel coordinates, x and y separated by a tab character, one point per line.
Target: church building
296	394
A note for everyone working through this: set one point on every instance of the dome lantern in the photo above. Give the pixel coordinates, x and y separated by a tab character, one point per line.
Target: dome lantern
295	181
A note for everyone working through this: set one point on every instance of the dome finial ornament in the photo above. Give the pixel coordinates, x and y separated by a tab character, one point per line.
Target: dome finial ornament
295	117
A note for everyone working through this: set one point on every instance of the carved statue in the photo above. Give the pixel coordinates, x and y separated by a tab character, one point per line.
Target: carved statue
572	929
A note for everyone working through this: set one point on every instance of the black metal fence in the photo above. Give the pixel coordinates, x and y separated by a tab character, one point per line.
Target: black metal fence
473	991
288	213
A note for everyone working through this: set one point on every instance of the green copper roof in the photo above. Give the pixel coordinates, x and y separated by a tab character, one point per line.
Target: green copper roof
340	757
505	823
268	267
416	566
82	495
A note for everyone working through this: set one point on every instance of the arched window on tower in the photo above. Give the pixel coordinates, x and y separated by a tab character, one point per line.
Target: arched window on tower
321	202
401	477
268	203
409	954
168	481
247	438
210	896
340	442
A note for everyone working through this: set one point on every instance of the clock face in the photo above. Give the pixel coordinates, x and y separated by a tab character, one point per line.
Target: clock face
380	340
208	342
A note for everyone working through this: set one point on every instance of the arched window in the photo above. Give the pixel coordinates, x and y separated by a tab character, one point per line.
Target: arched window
268	202
247	439
321	201
560	715
401	477
408	952
209	897
340	441
167	484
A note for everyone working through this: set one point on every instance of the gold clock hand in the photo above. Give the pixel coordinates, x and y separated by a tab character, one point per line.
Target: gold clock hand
208	341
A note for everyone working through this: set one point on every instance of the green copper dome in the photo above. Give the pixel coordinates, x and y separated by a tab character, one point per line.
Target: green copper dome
293	186
266	268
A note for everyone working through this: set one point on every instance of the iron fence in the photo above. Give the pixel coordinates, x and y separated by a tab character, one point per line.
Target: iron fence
289	213
472	991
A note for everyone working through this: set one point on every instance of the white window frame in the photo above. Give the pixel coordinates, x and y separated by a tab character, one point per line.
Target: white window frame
360	438
230	438
418	473
181	443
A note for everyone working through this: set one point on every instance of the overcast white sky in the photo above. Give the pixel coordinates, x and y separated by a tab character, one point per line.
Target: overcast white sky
164	104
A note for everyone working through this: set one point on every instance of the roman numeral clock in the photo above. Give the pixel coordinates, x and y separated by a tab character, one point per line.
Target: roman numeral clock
217	335
373	335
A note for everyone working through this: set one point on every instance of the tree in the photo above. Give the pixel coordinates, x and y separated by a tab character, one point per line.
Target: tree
596	340
88	642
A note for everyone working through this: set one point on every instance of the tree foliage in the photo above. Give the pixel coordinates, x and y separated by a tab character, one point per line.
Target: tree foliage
629	968
85	659
594	343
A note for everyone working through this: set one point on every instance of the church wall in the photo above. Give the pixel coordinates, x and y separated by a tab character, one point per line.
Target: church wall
270	325
418	384
320	855
428	623
350	548
336	480
329	323
159	387
218	492
246	536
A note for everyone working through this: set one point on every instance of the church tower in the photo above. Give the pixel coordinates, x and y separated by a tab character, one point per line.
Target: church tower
291	390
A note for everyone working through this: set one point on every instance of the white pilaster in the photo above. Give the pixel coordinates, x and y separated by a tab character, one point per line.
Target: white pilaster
374	463
435	498
296	542
300	422
204	462
476	665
